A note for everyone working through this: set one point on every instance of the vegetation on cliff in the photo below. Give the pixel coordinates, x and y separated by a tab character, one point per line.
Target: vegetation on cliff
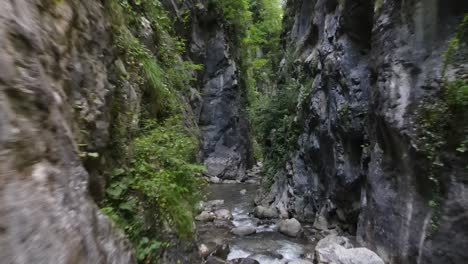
442	132
157	184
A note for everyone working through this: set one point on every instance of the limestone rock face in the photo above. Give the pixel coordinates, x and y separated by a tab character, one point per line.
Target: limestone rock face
368	67
226	145
53	55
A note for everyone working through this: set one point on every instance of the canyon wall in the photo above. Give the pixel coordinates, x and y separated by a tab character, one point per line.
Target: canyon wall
53	55
370	73
70	106
226	145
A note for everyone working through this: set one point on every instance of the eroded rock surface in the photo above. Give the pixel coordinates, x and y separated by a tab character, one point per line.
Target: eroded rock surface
367	68
226	146
52	53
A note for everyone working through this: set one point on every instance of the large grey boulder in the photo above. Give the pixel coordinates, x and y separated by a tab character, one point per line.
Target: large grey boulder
336	254
290	227
263	212
244	230
223	214
334	249
334	239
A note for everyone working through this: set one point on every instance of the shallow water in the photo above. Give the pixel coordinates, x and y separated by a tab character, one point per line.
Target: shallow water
266	246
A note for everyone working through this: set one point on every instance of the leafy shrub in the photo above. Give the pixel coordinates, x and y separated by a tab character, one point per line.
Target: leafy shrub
163	183
158	184
275	128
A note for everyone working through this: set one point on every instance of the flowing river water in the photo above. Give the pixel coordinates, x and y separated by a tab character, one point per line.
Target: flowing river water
267	246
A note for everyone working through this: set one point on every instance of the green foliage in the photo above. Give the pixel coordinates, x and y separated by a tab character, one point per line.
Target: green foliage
161	186
155	189
460	36
442	126
159	71
272	110
275	128
237	13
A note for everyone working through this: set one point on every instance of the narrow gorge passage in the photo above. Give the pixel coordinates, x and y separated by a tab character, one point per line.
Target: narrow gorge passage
228	229
233	131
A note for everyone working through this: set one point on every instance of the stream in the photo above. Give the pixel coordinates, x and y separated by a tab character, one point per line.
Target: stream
266	245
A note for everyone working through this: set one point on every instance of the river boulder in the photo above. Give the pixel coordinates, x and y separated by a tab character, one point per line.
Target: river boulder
338	250
263	212
223	214
244	230
205	216
290	227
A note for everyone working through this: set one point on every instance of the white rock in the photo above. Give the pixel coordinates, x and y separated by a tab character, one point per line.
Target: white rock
334	239
204	250
290	227
329	252
215	180
243	191
205	216
223	214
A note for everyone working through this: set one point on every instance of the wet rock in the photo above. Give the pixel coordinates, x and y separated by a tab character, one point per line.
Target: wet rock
266	221
223	214
222	251
243	191
336	254
244	230
215	260
205	216
244	261
204	250
290	227
223	223
263	212
320	221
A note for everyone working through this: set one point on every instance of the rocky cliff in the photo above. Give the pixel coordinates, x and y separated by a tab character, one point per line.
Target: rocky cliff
367	158
74	84
226	147
53	54
220	103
